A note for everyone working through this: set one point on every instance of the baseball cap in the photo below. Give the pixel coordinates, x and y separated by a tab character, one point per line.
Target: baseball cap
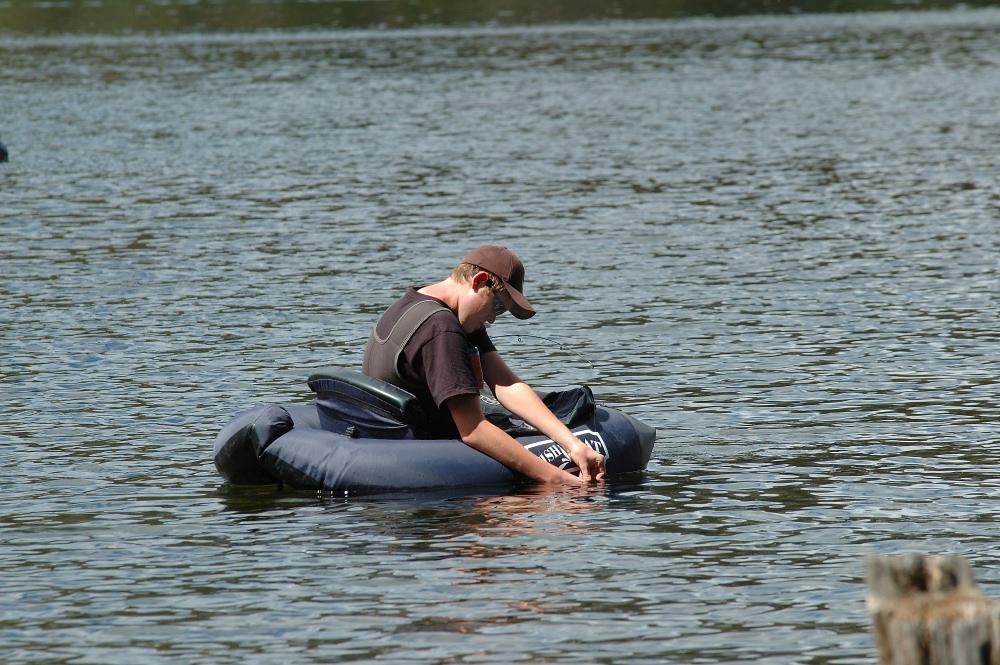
504	264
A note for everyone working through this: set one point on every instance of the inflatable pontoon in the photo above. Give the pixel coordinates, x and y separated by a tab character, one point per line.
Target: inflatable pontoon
363	436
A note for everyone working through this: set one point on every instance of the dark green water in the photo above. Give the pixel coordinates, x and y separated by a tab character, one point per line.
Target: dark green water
773	238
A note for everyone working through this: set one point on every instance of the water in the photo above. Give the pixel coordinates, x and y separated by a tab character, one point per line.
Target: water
772	238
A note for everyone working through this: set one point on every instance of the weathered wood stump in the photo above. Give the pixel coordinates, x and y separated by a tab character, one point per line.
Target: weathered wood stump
927	610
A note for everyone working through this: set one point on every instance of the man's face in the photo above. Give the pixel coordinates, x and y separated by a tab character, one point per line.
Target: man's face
484	306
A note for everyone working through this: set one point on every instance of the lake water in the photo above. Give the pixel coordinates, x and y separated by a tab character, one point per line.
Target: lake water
775	239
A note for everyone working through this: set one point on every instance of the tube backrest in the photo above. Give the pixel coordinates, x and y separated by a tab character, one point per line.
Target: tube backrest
374	395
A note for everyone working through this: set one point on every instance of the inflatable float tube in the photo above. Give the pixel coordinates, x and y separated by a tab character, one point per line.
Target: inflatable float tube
361	436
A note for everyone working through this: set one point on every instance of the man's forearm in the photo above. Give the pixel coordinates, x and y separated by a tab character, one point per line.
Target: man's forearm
487	438
491	440
521	400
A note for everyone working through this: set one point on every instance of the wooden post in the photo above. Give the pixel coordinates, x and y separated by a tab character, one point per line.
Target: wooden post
927	610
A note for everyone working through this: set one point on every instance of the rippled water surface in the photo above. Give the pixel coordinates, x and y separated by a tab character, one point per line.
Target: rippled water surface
773	239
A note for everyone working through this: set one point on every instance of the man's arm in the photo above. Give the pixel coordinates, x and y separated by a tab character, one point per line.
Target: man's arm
521	400
489	439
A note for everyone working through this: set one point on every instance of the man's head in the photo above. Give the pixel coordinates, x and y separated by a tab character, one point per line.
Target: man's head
506	268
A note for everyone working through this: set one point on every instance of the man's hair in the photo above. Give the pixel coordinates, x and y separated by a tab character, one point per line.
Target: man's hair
463	272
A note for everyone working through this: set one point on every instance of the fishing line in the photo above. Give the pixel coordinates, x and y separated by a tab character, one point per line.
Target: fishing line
547	339
565	348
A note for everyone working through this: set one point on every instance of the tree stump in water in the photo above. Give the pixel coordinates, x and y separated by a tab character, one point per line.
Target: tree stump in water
927	610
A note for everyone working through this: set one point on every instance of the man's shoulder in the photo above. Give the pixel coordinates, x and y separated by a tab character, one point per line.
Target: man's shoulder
442	321
428	313
407	301
427	309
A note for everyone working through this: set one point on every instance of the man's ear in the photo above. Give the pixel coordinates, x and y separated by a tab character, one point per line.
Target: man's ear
480	278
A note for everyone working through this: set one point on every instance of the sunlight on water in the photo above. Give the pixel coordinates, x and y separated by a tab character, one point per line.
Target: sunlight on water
774	239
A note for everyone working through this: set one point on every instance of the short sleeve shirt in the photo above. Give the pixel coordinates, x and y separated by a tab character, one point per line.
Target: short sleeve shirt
436	359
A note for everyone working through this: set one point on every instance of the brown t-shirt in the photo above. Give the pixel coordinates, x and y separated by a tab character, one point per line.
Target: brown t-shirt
436	359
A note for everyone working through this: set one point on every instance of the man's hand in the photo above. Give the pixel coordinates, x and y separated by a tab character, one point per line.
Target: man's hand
590	462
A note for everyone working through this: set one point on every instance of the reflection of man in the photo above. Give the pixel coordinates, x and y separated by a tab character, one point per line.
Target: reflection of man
433	343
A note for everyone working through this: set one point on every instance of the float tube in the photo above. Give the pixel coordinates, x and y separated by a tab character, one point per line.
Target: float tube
362	436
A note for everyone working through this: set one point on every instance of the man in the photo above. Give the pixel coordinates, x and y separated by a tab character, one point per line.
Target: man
433	343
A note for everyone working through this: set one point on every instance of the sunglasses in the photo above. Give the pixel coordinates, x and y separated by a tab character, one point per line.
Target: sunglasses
498	306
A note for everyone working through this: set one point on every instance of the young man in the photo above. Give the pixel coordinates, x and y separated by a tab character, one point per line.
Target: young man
433	343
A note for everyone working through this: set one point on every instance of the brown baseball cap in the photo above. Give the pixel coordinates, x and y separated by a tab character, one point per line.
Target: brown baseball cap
504	264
